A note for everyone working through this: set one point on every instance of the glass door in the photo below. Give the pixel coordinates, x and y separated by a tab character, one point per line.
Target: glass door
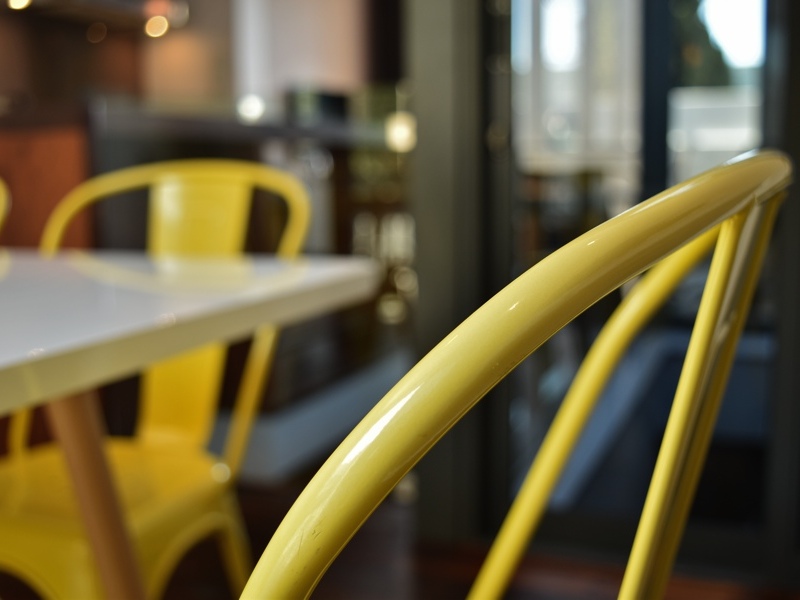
613	100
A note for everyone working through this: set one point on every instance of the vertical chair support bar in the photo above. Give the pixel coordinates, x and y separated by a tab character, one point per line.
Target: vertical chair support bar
248	399
630	317
721	318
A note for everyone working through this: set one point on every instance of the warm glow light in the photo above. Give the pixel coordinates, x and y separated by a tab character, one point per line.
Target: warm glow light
18	4
251	107
401	131
156	26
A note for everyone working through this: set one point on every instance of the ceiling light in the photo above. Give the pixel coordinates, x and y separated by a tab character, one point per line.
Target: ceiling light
156	26
251	107
401	131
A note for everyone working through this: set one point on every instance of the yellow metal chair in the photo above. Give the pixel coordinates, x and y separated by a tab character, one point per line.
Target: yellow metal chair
173	491
5	201
731	208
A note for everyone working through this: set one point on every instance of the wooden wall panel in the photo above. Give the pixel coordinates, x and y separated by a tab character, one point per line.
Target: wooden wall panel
40	165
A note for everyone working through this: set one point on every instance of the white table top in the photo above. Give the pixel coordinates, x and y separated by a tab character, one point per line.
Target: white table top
82	319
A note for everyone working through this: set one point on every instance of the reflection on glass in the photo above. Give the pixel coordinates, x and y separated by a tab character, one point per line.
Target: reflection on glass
562	34
715	108
737	28
576	89
576	101
577	108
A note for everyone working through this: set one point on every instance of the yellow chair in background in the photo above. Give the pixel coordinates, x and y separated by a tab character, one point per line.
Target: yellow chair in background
5	201
173	491
731	208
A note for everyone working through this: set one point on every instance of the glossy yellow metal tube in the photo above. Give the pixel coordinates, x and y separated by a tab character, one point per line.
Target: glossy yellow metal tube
720	320
635	311
5	202
443	386
201	180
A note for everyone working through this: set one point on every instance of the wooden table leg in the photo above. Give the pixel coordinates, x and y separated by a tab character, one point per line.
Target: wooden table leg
77	425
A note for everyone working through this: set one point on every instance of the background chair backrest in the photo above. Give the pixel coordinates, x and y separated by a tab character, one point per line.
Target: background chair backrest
5	201
196	208
443	386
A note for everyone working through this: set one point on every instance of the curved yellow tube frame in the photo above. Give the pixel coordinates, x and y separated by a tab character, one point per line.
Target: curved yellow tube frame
738	199
198	207
5	201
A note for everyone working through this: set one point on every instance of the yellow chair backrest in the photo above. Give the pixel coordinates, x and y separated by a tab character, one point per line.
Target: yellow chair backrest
5	201
196	208
733	205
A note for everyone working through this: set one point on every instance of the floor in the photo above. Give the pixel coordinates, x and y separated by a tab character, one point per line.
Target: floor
383	563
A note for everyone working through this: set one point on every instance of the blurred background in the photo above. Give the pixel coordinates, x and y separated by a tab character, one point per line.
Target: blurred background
458	142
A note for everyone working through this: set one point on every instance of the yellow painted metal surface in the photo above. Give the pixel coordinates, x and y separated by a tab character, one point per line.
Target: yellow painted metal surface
5	203
174	493
632	315
457	373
